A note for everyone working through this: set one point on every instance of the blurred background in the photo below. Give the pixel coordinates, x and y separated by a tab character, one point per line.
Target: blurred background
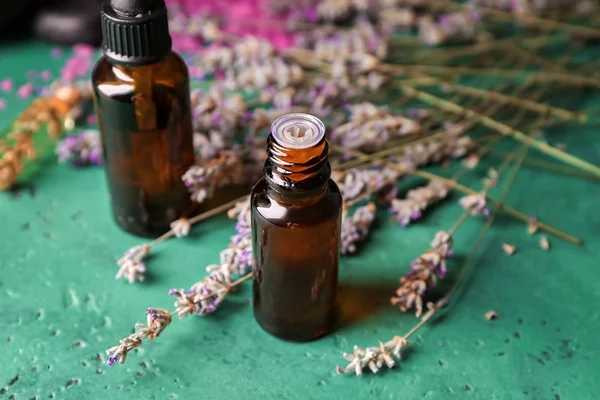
56	21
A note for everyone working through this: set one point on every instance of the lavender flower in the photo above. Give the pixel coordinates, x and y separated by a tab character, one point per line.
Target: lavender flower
131	266
244	53
417	200
394	18
275	72
443	243
374	357
209	145
203	180
451	146
371	128
82	149
181	227
205	296
158	319
197	26
461	25
213	111
355	228
492	179
362	39
359	182
424	274
238	256
475	204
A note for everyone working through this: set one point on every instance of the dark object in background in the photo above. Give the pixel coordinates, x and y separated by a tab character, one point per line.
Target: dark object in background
142	93
296	226
15	18
69	22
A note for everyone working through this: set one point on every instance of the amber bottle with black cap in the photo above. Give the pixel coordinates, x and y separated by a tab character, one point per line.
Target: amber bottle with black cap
296	222
142	98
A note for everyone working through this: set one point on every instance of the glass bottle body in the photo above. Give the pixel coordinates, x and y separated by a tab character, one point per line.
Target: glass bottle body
296	255
144	115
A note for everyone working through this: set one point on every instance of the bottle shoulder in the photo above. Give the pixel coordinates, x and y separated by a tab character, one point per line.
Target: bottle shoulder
171	71
271	208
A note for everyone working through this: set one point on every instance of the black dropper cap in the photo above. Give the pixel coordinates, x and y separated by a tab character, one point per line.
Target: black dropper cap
135	32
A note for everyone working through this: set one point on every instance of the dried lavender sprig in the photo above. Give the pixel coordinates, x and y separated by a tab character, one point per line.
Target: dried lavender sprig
355	228
361	359
244	53
417	200
158	320
460	25
362	44
455	185
475	204
447	143
216	111
424	274
82	149
203	180
358	183
200	26
376	357
131	266
505	130
371	127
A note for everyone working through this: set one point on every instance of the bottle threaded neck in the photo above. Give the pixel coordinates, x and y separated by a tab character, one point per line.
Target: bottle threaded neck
139	39
297	154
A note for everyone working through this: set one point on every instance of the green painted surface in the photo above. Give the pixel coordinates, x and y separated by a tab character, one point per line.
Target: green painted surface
60	307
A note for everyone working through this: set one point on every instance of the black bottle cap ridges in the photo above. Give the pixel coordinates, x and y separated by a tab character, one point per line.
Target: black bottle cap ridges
135	32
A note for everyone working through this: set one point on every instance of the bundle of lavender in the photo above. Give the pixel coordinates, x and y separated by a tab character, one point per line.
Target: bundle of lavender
386	121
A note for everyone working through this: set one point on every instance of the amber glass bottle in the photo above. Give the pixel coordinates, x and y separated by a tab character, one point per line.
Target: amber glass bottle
142	98
296	222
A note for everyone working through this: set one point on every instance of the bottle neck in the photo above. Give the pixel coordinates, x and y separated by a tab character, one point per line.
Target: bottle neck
297	173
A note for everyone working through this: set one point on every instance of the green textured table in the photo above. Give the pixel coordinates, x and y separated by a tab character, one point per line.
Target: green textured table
60	307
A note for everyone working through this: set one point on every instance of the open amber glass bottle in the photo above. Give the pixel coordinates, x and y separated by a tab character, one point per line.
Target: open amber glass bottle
142	97
296	222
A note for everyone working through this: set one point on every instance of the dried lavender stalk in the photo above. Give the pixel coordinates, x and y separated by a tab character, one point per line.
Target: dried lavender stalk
244	53
356	183
202	298
84	148
424	274
456	26
158	320
131	266
355	228
417	200
198	26
214	111
370	128
229	167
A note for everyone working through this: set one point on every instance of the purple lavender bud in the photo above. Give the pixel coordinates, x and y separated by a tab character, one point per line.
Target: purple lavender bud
173	292
449	254
444	21
311	15
442	271
415	215
113	359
